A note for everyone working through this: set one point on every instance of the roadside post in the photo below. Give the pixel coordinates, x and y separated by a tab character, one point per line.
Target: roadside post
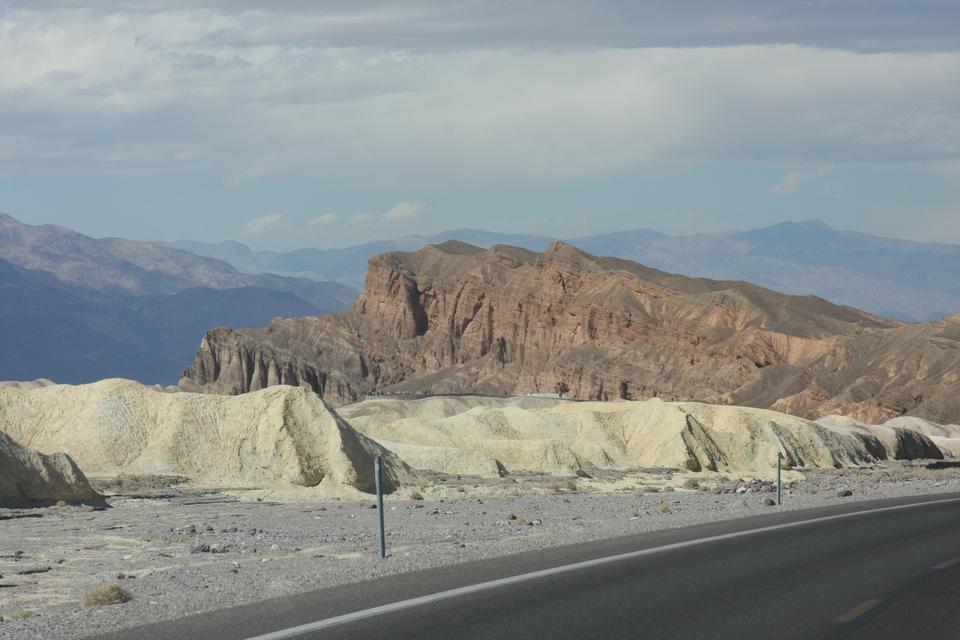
779	486
378	474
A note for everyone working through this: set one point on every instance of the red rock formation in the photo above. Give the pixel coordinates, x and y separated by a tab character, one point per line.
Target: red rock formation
455	318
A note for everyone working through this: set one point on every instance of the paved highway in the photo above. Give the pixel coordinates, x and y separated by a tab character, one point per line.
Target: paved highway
889	569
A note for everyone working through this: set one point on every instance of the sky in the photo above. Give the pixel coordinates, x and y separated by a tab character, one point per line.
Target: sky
328	123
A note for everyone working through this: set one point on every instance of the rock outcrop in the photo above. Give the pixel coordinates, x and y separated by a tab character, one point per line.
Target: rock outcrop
455	318
280	436
29	477
559	437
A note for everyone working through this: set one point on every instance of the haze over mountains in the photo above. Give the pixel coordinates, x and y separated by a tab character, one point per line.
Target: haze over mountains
899	279
78	309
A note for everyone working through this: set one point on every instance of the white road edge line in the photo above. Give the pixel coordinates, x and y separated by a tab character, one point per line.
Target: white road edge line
946	565
355	616
858	610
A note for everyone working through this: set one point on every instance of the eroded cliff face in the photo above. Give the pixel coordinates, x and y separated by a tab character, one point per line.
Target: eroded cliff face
455	318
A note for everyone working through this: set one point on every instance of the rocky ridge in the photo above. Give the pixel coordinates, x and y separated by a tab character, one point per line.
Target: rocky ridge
454	318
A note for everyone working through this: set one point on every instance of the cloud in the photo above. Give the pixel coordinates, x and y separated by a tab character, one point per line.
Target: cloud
429	25
259	225
326	218
794	180
403	211
351	91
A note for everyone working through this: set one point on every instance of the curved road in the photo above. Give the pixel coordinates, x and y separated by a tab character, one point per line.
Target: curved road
888	569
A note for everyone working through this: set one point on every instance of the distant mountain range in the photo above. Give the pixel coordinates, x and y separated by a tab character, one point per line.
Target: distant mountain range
78	309
349	265
900	279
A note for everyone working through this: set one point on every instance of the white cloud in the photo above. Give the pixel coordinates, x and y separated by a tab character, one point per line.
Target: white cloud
161	90
259	225
326	218
794	180
403	211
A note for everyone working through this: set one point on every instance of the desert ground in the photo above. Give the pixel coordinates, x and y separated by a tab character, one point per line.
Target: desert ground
190	502
179	548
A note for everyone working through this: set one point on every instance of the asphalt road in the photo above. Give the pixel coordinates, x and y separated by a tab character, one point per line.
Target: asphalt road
893	573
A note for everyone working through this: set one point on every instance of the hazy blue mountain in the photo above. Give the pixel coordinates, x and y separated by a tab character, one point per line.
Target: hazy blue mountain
116	265
347	266
74	334
77	309
895	278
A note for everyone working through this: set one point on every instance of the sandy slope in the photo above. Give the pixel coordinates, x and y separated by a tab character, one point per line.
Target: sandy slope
26	475
552	436
279	437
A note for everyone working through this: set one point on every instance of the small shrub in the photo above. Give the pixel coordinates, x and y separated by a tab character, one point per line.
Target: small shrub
562	485
106	595
691	483
416	495
664	507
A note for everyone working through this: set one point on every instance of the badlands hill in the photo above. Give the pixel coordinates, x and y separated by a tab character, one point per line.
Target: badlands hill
456	318
495	436
287	440
27	476
279	437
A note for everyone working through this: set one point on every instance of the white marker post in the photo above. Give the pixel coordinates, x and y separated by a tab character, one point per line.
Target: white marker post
378	475
779	486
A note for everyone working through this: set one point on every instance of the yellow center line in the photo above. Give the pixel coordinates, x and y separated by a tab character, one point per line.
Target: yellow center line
948	563
857	611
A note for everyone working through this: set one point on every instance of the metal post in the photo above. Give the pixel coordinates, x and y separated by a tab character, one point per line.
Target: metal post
779	485
378	473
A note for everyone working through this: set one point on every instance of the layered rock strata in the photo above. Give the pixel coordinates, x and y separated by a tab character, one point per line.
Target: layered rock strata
454	318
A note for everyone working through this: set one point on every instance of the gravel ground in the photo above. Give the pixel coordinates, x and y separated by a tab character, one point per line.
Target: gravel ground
181	550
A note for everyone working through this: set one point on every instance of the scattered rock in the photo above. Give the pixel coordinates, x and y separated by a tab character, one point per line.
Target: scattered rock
846	493
30	572
199	546
769	502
